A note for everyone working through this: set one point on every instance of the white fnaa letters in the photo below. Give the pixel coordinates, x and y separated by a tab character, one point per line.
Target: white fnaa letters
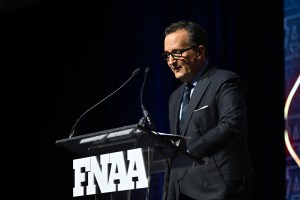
108	171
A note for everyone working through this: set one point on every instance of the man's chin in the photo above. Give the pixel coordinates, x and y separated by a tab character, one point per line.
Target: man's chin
180	76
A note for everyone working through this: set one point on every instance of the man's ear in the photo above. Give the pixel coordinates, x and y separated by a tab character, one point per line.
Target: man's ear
201	51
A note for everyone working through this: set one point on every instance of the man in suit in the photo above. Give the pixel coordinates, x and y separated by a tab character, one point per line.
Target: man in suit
215	119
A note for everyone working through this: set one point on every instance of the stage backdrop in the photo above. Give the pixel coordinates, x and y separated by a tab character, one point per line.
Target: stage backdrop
292	98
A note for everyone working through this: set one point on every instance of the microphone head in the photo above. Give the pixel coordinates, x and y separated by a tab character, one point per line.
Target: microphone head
135	71
147	70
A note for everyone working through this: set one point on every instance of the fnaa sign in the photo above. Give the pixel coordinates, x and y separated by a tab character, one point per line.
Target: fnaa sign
110	173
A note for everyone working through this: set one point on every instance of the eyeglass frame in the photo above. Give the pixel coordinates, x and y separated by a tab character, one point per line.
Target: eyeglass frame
166	54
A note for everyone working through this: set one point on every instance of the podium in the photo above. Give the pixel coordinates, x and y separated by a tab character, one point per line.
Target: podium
122	159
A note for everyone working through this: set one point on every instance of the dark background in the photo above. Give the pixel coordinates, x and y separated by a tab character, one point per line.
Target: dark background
62	57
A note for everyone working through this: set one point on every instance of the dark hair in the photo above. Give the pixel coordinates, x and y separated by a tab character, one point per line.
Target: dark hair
196	33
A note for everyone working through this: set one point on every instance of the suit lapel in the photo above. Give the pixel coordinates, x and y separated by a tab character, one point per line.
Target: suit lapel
195	99
175	112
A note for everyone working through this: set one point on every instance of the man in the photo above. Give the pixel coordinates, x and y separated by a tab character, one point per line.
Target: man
215	119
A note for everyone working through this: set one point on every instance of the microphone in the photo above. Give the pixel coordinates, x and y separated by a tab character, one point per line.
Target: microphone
75	126
146	116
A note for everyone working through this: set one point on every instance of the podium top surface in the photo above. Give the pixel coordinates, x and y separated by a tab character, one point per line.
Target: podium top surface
82	143
124	130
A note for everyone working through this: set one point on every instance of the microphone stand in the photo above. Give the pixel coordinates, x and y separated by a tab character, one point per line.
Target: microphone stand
75	126
146	119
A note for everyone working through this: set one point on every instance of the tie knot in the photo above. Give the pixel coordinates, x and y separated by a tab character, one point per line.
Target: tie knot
189	86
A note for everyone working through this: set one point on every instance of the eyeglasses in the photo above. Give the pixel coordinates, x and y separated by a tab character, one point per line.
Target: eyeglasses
176	54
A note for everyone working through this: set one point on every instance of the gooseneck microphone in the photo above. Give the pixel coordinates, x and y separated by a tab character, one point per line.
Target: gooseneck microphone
75	126
146	115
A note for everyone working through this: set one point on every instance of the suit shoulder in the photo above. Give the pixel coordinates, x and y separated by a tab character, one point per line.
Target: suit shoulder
224	75
226	72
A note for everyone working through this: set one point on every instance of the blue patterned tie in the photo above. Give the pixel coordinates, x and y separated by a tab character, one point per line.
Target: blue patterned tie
185	102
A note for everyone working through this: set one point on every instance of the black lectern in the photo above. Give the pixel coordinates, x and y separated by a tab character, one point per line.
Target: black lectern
122	159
